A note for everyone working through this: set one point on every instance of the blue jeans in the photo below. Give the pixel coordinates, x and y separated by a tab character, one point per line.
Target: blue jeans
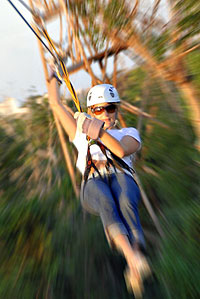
115	200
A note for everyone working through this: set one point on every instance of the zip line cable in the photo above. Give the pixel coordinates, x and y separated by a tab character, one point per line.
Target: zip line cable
58	60
32	29
65	76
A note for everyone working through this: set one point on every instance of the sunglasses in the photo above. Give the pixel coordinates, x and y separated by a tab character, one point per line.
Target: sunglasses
99	110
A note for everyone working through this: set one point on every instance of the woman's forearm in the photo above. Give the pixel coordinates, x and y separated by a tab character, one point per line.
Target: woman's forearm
124	147
66	119
113	144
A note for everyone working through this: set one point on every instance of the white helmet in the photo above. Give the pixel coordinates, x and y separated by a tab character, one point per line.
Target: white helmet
103	93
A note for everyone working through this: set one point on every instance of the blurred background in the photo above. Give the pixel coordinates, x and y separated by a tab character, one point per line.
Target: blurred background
150	51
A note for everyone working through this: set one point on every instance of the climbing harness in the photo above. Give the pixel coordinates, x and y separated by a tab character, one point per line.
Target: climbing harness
114	163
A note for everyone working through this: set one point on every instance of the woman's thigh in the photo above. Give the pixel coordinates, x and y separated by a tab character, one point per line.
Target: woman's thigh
96	195
127	196
125	190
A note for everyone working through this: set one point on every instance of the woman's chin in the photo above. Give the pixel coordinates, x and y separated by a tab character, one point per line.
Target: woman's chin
107	125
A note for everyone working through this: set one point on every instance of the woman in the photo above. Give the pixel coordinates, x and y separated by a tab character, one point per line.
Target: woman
105	158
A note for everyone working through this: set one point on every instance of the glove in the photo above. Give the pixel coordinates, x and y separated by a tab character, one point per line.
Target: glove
82	118
89	125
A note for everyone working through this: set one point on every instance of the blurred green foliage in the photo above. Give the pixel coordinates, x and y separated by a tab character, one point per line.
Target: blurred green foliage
193	64
189	14
50	249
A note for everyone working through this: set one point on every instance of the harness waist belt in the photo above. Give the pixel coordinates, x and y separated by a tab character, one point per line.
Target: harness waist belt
104	172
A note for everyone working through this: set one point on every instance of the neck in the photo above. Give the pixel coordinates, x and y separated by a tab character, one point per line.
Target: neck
113	125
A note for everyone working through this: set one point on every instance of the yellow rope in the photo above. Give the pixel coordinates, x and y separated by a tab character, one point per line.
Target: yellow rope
65	75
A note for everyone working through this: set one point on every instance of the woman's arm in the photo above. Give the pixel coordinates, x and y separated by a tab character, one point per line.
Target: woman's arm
66	119
126	146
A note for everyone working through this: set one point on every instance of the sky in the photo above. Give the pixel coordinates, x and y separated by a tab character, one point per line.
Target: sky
21	68
21	72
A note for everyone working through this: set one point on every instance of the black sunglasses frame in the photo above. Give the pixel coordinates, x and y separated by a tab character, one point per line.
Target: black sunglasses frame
99	110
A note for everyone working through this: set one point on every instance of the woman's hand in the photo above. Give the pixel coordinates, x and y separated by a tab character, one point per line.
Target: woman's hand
83	121
89	125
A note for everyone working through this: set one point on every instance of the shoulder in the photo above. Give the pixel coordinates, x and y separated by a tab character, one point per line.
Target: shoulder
131	132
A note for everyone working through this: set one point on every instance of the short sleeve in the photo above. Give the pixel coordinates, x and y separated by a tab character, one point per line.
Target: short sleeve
79	139
133	133
81	144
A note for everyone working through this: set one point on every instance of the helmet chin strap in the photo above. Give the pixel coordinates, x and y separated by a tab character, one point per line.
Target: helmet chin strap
114	124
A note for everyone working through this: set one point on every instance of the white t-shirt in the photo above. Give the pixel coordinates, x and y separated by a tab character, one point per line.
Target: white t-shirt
81	144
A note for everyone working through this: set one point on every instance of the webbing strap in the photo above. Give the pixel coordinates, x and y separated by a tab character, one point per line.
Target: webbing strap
115	158
110	162
64	75
89	165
